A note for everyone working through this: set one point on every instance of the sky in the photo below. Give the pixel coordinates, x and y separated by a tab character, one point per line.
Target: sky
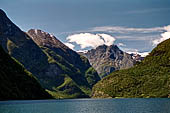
133	25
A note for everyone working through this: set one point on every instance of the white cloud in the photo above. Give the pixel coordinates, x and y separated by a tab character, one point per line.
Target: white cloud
92	37
138	37
167	28
120	29
164	36
82	51
121	44
144	54
108	39
91	40
71	46
129	50
135	51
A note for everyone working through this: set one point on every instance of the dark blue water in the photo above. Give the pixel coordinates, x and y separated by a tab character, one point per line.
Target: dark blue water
87	106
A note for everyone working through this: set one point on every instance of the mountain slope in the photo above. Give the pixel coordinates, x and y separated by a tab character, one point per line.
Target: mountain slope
19	45
55	72
150	78
106	59
16	82
72	64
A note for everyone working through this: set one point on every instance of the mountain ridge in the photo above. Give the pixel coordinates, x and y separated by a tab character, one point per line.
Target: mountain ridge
147	79
57	73
56	47
106	59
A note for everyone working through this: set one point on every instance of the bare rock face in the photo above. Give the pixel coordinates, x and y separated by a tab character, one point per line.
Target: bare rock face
45	39
106	59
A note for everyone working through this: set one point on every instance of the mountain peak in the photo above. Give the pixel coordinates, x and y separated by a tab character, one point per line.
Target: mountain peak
43	38
106	59
2	13
40	32
113	46
9	31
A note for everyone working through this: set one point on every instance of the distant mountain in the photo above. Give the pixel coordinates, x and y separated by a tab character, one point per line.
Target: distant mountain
106	59
150	78
137	57
61	71
16	82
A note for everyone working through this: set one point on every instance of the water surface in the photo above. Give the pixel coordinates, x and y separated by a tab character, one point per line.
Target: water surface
87	106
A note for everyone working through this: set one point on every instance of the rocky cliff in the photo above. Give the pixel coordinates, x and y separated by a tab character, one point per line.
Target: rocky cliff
106	59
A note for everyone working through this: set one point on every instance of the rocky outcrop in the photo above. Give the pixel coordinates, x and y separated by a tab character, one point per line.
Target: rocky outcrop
106	59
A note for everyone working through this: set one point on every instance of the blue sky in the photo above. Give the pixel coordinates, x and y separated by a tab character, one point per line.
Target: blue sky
134	24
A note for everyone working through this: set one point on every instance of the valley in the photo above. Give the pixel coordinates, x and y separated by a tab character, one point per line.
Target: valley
39	63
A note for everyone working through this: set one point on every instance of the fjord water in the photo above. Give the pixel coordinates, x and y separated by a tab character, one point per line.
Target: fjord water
87	106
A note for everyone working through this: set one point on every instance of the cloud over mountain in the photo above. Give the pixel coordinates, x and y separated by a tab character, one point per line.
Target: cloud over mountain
164	36
121	44
71	46
91	40
136	38
135	51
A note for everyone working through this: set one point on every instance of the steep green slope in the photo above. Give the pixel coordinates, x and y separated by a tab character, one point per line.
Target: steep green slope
150	78
51	66
69	82
16	82
70	64
87	76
